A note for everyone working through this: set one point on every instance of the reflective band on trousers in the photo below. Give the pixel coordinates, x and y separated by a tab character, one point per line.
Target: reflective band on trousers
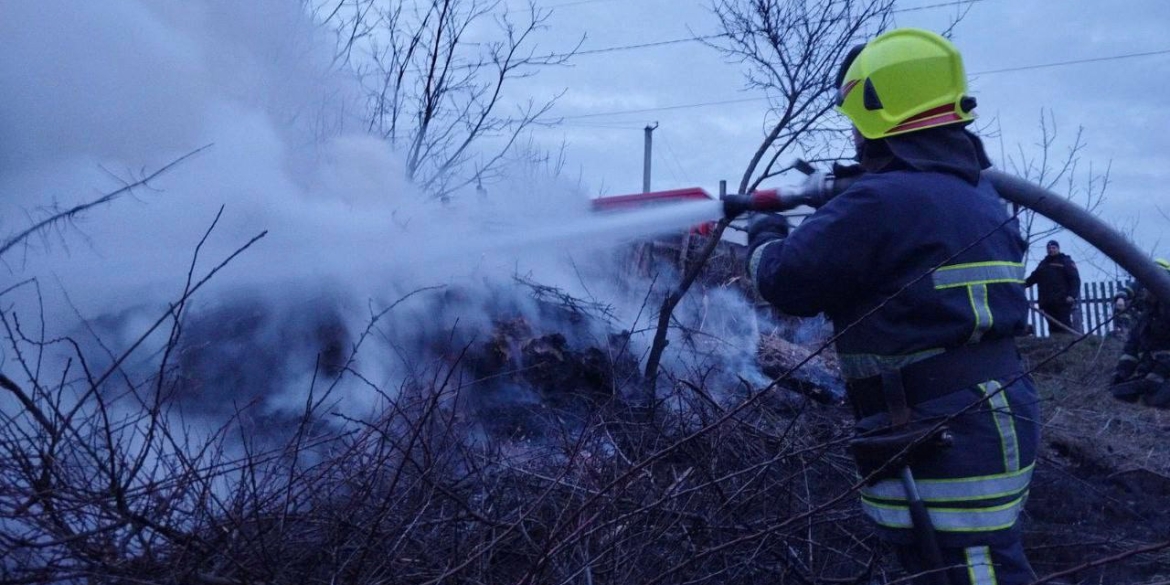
1005	422
982	307
978	273
949	519
955	490
979	567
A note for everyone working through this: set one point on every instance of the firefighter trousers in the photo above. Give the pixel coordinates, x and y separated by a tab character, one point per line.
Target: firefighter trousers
975	490
1000	564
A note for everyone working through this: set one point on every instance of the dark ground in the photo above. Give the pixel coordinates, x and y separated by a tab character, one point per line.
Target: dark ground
1103	482
1102	487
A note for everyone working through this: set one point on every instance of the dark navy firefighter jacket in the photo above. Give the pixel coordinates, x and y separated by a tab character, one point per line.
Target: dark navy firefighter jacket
908	265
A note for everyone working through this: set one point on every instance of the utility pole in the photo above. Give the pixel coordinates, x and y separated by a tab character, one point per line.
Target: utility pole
643	250
646	156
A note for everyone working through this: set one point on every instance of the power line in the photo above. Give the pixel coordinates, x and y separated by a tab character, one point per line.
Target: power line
694	39
663	162
677	162
614	126
703	38
910	9
507	10
574	3
1074	62
939	5
664	108
760	98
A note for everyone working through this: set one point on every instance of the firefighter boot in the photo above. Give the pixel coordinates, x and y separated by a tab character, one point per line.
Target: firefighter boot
1132	390
1159	398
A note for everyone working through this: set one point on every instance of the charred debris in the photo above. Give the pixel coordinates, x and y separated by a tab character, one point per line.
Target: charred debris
515	451
534	360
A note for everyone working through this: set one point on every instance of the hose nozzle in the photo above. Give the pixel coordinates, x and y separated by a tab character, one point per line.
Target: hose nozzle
815	191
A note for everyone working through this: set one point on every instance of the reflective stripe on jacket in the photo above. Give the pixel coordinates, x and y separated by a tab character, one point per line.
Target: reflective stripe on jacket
906	264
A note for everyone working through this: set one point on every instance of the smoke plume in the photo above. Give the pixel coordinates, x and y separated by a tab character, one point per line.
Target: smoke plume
98	95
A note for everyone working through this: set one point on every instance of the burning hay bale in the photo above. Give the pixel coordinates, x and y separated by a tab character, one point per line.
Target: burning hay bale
522	375
816	376
247	351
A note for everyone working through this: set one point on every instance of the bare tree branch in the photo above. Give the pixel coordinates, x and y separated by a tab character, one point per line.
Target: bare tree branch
1046	167
436	95
77	210
791	49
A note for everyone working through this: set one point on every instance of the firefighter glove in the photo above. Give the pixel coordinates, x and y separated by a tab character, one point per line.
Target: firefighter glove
847	171
765	227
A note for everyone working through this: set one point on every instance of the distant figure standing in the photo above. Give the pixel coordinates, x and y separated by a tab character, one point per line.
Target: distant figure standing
1058	282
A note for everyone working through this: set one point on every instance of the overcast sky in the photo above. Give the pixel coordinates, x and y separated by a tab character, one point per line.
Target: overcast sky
96	93
1121	103
131	84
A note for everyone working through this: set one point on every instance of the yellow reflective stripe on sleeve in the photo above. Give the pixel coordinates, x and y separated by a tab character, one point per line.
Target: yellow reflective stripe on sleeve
979	567
1005	422
966	489
960	275
754	262
989	519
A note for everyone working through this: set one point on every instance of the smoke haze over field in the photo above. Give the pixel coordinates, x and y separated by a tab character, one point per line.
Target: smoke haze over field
97	95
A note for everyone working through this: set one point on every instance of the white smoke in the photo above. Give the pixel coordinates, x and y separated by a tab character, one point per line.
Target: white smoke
98	93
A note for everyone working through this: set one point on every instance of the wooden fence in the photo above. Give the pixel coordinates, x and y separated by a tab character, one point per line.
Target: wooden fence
1094	310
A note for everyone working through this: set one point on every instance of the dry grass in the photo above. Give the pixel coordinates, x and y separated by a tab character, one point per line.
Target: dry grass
1104	478
1080	409
107	485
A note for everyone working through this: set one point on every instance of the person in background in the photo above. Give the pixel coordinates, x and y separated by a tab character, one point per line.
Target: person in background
1124	313
1143	371
1058	283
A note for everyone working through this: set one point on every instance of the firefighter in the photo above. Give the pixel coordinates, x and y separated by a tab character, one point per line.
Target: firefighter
919	267
1124	312
1143	371
1057	282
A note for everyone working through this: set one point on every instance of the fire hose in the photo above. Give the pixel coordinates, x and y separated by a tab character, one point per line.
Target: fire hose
819	189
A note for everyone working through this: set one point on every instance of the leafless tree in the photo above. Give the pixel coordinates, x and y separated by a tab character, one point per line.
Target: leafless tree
791	50
435	74
1060	172
55	217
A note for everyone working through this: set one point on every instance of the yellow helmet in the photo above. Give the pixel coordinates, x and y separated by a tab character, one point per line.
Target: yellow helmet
903	81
